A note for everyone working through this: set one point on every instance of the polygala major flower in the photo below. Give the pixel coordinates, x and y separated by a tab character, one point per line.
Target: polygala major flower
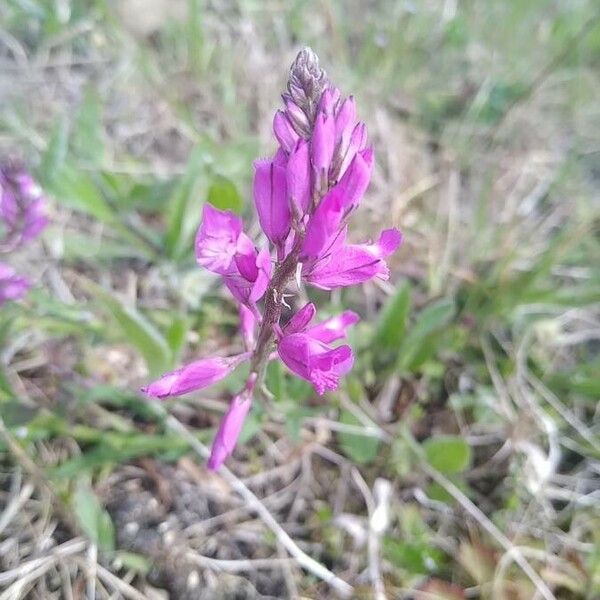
304	196
12	286
22	218
22	207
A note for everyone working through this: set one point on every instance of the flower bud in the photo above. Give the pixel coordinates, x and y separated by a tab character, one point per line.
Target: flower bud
299	177
322	145
284	132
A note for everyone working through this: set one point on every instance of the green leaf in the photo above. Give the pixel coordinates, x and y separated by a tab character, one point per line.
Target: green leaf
133	561
76	190
223	194
448	453
423	337
195	35
176	335
391	324
184	206
114	448
94	520
139	331
362	449
294	417
275	380
55	153
418	558
87	139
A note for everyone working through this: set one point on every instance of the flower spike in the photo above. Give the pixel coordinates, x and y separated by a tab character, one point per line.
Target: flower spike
304	196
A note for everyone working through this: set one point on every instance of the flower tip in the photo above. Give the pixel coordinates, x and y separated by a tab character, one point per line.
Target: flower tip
216	459
390	240
350	317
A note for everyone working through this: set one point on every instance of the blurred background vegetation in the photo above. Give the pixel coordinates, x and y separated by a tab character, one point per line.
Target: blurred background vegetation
475	393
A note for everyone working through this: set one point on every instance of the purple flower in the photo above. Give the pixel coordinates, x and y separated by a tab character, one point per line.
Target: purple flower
217	239
342	264
304	197
195	376
231	425
223	248
305	351
298	175
270	197
334	328
249	287
22	207
323	143
324	225
12	286
314	361
355	180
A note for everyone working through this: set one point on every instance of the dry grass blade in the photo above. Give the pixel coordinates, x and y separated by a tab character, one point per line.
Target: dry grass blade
305	561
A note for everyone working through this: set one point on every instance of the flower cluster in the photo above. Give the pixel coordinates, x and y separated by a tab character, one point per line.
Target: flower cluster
22	218
304	196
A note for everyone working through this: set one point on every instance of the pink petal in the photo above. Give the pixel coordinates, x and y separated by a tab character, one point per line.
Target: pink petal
270	197
12	286
345	121
328	101
323	142
245	257
264	266
312	360
354	263
195	376
334	328
229	429
249	291
284	132
301	319
298	173
216	240
355	180
296	117
324	224
357	142
247	326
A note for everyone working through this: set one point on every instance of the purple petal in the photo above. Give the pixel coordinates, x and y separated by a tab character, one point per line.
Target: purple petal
296	117
216	240
264	266
249	291
334	328
270	197
22	206
245	257
12	286
324	224
284	131
299	177
195	376
345	121
355	180
354	263
328	101
229	429
300	320
323	142
314	361
357	142
247	327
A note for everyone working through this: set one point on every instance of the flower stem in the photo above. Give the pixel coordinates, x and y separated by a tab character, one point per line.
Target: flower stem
284	272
